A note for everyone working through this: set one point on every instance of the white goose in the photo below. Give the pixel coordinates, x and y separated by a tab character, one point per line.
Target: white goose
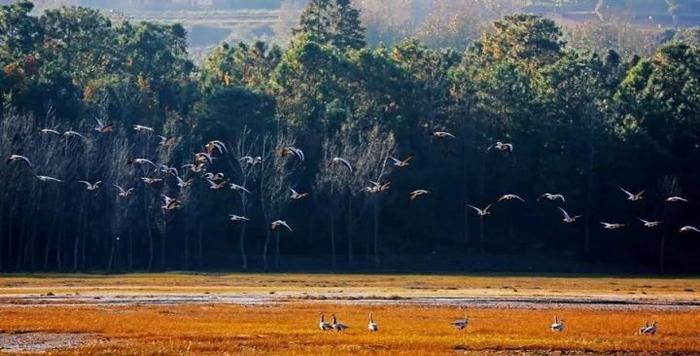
343	161
482	212
50	131
416	193
294	195
633	197
552	197
237	218
71	133
215	145
123	193
141	162
558	325
49	179
142	129
372	326
15	158
676	199
238	188
502	146
91	186
689	228
650	224
510	197
612	226
277	223
567	218
442	134
401	163
338	326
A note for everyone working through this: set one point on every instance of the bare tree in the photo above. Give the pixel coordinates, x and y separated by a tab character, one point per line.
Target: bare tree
275	169
244	161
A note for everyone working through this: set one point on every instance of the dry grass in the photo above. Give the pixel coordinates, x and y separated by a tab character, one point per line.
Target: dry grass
291	328
300	285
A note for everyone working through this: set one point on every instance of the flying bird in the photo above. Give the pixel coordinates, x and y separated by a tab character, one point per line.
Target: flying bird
482	212
143	129
416	193
296	195
277	223
166	141
510	197
633	197
123	193
164	168
141	161
151	181
50	131
203	158
237	218
401	163
216	186
15	158
676	199
689	228
377	187
215	145
91	186
501	146
612	226
238	188
251	160
568	219
170	203
650	224
293	151
183	183
342	161
214	176
49	179
102	126
442	134
552	197
71	133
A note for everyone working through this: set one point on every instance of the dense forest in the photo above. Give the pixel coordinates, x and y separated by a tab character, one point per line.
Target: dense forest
194	163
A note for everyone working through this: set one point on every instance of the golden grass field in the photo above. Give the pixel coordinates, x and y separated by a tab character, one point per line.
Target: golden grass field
286	322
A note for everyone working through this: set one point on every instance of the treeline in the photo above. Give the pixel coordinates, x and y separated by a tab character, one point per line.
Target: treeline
581	124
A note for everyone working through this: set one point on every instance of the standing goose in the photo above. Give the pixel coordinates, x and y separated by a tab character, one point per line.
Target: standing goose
91	186
460	324
15	158
372	326
568	219
558	325
323	324
649	329
338	326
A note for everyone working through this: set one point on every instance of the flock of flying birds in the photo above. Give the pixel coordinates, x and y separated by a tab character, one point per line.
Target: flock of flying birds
202	161
460	324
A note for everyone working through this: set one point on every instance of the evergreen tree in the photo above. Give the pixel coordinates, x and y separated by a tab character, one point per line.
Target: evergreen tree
334	22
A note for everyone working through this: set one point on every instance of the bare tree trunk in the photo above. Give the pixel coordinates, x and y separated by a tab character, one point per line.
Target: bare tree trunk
149	233
265	247
376	232
349	229
163	241
333	241
241	237
200	233
589	198
76	244
277	249
110	260
131	250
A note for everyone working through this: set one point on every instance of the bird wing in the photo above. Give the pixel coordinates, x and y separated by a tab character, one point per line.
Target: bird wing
566	215
26	160
120	189
88	184
475	208
488	207
627	192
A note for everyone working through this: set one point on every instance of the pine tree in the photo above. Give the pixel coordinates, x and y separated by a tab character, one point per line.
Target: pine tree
314	21
334	22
